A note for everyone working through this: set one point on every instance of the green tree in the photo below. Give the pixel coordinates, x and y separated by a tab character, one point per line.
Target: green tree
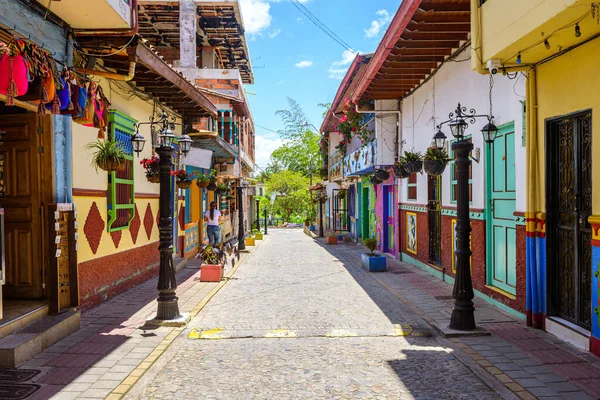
300	142
291	189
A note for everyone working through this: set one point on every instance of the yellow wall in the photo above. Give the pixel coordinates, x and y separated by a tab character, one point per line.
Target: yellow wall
512	26
86	177
565	85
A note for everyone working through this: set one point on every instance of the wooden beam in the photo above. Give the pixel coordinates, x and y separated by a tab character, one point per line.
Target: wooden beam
462	27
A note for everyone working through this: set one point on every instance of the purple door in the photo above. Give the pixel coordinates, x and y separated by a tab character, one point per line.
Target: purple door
389	219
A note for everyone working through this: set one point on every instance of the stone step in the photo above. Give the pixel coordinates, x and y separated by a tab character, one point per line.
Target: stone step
26	343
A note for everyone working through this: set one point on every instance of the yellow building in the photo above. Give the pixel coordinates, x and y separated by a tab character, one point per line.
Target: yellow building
555	45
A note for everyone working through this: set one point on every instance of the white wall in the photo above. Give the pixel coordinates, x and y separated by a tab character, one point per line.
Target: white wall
385	132
455	82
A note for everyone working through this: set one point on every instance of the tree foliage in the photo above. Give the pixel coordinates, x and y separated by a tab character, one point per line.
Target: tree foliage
291	191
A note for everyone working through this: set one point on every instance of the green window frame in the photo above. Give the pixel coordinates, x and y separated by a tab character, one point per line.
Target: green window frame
454	181
121	190
411	187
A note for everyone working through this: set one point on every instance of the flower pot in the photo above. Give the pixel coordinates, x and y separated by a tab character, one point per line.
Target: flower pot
250	242
258	236
400	172
434	167
312	228
153	178
202	185
413	166
373	263
184	184
382	174
332	240
111	165
341	238
374	180
211	273
212	187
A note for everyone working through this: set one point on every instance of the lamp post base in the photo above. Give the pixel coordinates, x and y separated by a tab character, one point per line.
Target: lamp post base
183	320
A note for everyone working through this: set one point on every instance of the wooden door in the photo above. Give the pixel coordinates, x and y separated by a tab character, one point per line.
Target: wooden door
569	204
26	175
501	226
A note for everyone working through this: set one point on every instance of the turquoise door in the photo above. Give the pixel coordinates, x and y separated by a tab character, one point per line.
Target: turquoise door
365	213
501	227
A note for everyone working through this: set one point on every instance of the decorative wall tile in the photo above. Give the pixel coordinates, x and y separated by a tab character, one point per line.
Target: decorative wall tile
148	221
116	237
94	227
135	225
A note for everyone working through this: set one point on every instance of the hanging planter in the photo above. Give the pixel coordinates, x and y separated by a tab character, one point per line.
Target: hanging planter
184	184
400	172
108	155
211	187
412	162
373	179
222	189
342	194
435	161
184	180
382	174
153	178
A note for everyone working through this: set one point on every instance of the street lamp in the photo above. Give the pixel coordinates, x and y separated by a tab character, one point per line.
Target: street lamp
463	311
258	214
168	307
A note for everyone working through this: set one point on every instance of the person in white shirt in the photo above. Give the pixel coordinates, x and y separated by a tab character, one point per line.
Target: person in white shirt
213	217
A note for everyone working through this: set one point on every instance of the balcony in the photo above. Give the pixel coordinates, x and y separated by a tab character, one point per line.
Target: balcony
213	141
248	163
512	27
360	162
93	14
229	171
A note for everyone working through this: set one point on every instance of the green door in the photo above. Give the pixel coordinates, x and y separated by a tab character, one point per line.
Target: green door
365	213
501	227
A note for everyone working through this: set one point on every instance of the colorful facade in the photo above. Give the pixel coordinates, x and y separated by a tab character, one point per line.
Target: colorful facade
563	200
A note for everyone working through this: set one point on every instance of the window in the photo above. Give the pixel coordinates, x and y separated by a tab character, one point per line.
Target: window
121	193
412	187
453	176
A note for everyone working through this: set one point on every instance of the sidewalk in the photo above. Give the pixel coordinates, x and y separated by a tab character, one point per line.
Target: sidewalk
114	347
531	363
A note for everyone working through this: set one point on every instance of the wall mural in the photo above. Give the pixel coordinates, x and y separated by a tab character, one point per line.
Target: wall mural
411	232
360	160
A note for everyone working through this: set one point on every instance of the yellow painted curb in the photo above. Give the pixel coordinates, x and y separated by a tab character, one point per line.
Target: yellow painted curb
145	365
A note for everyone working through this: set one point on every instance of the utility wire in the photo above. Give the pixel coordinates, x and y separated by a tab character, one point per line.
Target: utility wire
267	129
322	26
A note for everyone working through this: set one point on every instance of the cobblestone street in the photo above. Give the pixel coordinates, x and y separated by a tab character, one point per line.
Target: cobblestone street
295	322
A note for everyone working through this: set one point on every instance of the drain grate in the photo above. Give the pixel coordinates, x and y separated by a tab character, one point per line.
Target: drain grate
17	375
444	297
17	391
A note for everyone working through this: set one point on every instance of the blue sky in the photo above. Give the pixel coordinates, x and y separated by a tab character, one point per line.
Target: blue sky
293	58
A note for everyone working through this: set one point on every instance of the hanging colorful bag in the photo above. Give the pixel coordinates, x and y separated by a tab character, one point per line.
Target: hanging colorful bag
87	117
13	77
101	114
62	97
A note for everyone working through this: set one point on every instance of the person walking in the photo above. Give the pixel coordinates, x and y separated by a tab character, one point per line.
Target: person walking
213	217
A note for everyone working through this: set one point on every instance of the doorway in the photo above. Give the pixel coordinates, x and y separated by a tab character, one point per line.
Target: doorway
501	225
568	205
366	201
434	219
389	219
25	192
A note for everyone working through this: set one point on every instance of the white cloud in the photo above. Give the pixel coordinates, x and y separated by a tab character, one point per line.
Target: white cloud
274	34
338	69
264	147
304	64
257	15
377	25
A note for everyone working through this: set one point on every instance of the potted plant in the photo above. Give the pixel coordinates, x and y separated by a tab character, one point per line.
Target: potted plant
371	261
257	234
203	181
382	174
250	241
210	270
229	197
213	176
399	171
211	187
108	155
374	180
222	189
435	161
332	238
412	161
152	169
183	179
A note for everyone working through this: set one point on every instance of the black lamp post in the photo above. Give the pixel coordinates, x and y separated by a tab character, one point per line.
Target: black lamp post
241	233
463	311
168	308
258	214
266	221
